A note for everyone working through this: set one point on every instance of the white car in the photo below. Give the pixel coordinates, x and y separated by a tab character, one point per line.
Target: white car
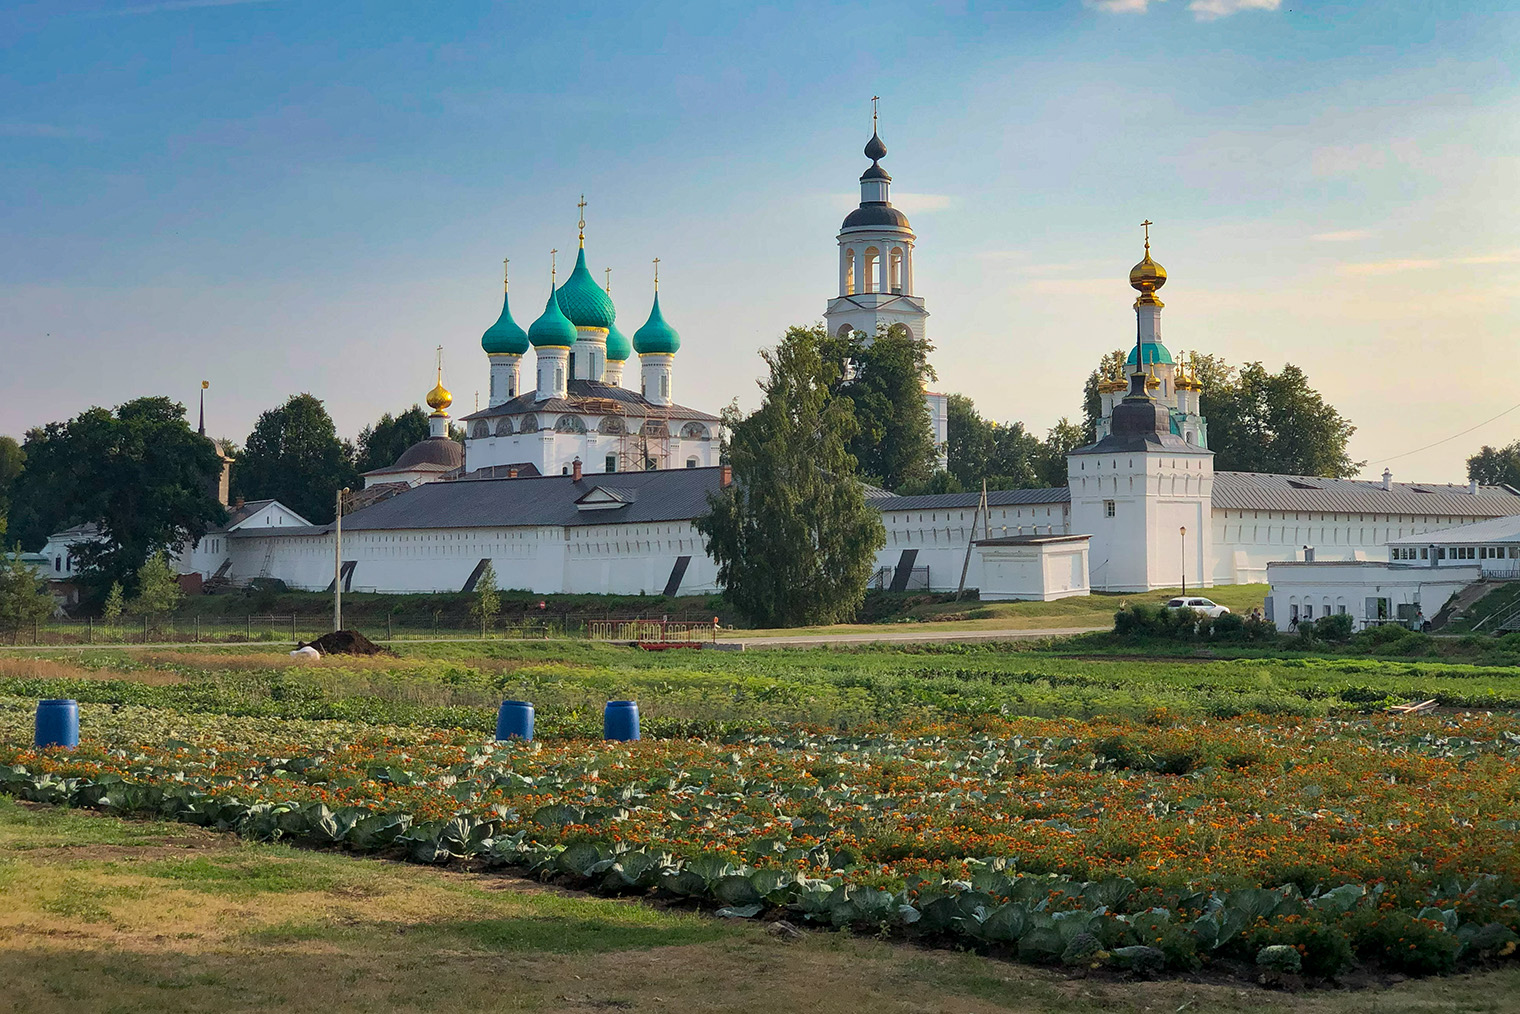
1204	606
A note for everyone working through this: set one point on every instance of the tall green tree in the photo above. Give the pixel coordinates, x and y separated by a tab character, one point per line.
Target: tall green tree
1496	466
12	460
487	604
381	444
1005	455
294	456
140	474
792	536
158	591
24	598
1259	421
883	376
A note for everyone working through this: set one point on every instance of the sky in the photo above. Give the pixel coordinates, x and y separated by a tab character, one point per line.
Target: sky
279	196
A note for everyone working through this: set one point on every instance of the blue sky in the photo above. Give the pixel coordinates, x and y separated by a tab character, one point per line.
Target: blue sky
280	196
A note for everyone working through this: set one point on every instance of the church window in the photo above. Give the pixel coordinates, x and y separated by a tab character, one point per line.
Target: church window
849	273
894	275
691	462
611	463
559	378
1108	508
504	426
870	274
665	385
569	424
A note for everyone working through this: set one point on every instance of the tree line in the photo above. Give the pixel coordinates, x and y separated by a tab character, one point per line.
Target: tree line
148	482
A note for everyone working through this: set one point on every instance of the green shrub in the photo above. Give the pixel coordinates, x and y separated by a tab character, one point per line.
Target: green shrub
1230	627
1404	943
1335	627
1322	948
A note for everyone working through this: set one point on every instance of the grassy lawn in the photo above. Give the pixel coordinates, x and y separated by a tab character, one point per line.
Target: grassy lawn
100	914
1086	612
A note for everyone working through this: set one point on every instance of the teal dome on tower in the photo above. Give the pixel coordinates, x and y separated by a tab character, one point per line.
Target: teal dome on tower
504	336
619	348
583	301
1154	353
552	329
656	336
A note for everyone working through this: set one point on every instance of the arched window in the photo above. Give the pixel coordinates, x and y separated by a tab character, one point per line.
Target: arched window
695	431
894	274
611	425
655	428
504	426
479	428
569	424
849	272
870	275
844	329
691	462
529	424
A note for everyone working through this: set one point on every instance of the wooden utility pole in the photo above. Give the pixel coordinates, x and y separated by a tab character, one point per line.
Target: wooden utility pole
985	514
338	563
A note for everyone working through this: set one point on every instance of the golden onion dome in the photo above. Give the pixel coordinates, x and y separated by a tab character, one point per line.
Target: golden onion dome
439	398
1147	276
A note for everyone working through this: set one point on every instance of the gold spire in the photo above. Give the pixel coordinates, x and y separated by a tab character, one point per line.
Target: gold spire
504	262
608	286
1147	276
657	274
582	224
553	268
439	399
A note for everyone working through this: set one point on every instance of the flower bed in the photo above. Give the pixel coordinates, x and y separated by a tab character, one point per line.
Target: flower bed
1166	843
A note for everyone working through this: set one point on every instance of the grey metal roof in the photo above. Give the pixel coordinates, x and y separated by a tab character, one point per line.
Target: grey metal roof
672	494
873	213
965	501
578	393
1031	540
1505	529
440	451
1254	491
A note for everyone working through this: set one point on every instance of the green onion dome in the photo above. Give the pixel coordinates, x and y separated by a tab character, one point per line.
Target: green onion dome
553	328
505	336
619	348
656	335
584	301
1154	352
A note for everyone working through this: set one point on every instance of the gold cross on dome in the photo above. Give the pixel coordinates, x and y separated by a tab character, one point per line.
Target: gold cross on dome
657	274
608	286
1147	226
874	99
582	224
553	265
504	262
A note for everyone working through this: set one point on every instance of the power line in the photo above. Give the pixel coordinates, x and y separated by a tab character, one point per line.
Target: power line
1445	440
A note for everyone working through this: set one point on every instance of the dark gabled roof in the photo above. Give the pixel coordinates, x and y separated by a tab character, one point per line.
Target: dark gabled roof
525	470
671	494
964	501
581	391
1256	491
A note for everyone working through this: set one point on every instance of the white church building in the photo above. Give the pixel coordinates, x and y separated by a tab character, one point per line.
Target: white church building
580	484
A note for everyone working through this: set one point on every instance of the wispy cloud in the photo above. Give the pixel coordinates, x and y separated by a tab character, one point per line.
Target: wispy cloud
1208	10
1343	236
1396	265
49	130
165	6
1203	10
1120	6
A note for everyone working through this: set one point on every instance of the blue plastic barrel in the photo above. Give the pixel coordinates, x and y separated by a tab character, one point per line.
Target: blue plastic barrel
621	720
514	719
57	724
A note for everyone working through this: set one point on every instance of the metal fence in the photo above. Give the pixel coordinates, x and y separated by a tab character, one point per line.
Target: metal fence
652	631
918	579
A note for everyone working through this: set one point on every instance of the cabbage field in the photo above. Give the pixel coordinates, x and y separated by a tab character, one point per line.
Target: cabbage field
1264	818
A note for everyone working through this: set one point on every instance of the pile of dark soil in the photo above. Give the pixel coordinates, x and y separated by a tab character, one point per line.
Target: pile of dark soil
347	642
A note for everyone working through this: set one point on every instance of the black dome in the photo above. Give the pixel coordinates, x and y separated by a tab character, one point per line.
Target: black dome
876	213
432	451
876	172
874	148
